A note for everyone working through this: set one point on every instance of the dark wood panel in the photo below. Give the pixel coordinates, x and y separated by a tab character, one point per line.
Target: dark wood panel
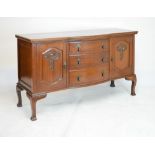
122	56
51	73
25	63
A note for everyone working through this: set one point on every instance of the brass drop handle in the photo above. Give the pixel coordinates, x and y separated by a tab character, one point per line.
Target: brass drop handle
65	65
78	47
102	73
78	61
102	59
103	46
78	78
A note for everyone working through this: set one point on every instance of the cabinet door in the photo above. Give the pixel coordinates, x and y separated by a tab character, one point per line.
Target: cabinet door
51	66
122	56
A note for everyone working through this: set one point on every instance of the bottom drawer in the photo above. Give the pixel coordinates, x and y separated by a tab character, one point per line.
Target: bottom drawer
88	75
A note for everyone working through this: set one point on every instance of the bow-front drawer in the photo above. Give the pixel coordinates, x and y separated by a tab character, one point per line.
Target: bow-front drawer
88	46
87	60
88	75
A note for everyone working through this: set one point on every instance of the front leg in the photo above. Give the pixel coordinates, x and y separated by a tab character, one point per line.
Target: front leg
112	84
18	90
134	81
33	100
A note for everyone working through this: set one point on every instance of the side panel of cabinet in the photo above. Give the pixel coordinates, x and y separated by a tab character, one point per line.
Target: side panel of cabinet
122	56
50	69
25	63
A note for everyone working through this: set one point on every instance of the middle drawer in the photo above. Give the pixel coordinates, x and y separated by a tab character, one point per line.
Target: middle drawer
87	60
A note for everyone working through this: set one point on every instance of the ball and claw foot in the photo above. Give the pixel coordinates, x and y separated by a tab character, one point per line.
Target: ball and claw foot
19	105
112	83
133	94
33	118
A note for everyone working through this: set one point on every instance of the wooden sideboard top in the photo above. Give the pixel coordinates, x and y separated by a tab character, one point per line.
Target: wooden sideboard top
67	35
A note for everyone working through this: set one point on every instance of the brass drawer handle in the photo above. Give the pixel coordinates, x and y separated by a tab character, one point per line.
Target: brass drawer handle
78	78
64	65
102	73
102	59
78	61
78	47
103	46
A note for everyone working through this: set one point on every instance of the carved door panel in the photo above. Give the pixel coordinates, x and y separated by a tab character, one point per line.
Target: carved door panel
51	66
121	54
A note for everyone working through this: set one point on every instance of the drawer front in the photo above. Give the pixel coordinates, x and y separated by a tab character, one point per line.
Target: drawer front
87	60
88	75
88	46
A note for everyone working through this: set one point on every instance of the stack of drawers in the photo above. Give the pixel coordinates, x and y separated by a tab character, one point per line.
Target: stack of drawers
88	62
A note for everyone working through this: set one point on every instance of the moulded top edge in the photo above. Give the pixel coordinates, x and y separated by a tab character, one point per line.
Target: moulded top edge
73	34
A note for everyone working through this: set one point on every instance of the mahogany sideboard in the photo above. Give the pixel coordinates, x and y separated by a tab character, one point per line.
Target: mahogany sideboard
54	61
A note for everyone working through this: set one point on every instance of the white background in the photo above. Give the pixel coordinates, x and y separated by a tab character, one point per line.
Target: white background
81	8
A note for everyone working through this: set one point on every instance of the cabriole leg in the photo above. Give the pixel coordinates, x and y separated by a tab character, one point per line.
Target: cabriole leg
134	81
18	90
33	100
33	109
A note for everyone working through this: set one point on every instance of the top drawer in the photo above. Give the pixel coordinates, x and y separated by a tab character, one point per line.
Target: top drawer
88	46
